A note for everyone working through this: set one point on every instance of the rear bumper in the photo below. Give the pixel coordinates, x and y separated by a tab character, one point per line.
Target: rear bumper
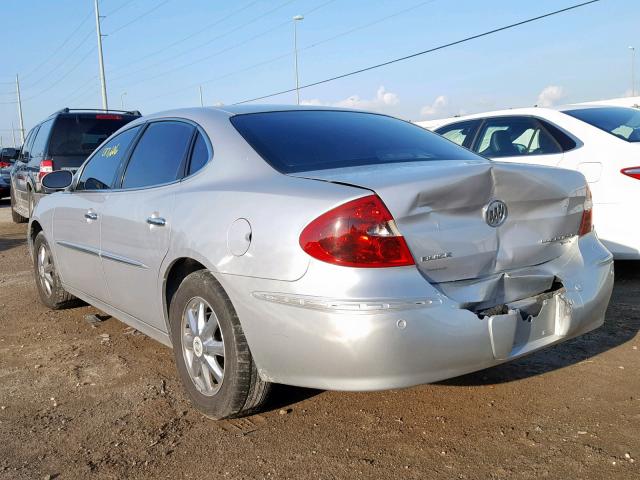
405	332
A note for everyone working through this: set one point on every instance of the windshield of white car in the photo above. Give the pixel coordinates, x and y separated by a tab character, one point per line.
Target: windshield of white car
306	140
621	122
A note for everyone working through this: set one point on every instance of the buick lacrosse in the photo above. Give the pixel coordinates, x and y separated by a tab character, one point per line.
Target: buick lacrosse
322	248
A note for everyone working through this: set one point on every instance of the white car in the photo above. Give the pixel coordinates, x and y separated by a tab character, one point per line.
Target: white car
602	142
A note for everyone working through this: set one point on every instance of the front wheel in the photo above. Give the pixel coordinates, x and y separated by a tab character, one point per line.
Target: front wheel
212	355
47	281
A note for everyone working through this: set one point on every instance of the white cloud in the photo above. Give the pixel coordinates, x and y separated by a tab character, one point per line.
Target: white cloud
435	108
382	99
550	95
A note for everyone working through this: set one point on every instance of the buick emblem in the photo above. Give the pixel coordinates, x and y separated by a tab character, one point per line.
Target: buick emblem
496	213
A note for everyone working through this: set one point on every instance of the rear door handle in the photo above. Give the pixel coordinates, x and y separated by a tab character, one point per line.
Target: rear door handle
156	221
91	215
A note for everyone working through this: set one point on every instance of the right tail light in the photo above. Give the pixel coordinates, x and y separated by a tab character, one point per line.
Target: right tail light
586	224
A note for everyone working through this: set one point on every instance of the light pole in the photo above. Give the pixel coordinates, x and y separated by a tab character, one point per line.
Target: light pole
633	70
122	95
103	81
296	19
201	100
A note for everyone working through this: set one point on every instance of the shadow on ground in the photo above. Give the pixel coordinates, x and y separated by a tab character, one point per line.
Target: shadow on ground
622	324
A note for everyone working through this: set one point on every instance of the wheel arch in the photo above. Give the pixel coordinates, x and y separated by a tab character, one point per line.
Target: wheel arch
175	273
34	229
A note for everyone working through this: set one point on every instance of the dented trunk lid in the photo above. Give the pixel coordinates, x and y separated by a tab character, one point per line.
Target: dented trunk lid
440	209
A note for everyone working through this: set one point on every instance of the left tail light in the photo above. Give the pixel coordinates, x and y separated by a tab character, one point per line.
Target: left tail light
360	233
4	164
633	172
586	224
46	166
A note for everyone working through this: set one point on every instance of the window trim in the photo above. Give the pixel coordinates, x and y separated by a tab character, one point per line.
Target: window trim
127	159
200	130
537	120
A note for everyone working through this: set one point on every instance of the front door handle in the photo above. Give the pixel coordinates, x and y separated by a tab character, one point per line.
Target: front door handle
156	221
91	215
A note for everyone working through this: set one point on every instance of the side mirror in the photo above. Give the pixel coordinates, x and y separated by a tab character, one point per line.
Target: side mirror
58	180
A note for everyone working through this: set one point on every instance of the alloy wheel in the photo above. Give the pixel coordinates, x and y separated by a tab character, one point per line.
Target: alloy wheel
203	346
45	269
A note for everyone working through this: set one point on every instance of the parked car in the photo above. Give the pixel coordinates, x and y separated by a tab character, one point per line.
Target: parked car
8	155
321	248
61	142
602	142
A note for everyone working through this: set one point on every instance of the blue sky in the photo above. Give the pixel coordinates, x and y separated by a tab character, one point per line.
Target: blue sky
159	51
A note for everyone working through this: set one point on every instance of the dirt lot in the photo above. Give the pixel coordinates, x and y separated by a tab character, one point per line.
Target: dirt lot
102	401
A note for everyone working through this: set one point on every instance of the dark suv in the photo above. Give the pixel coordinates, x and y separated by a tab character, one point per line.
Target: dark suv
61	142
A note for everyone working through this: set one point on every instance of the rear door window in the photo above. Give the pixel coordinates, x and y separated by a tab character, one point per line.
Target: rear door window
199	155
81	134
40	142
515	136
461	133
306	140
102	168
26	148
159	156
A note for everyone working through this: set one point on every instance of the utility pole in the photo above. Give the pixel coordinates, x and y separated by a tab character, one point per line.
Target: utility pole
633	71
201	101
13	134
103	81
20	109
296	19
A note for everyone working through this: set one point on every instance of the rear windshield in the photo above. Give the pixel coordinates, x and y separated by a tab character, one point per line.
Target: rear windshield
81	134
622	122
305	140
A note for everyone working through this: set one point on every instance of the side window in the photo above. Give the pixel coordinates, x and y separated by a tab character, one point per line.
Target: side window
461	133
199	155
101	169
26	147
515	136
159	156
566	142
40	142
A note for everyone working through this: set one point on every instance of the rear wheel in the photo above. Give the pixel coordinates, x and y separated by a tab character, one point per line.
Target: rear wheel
212	355
15	216
47	281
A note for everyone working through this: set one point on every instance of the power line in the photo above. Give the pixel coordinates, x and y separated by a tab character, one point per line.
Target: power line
191	35
60	47
117	9
283	55
148	12
180	54
423	52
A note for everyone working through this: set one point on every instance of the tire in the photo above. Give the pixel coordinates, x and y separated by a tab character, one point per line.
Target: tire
48	282
15	216
240	391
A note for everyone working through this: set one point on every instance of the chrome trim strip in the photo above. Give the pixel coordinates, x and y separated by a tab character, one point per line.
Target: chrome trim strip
79	248
371	305
125	260
98	253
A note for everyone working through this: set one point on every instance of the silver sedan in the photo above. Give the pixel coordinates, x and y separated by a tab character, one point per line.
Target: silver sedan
322	248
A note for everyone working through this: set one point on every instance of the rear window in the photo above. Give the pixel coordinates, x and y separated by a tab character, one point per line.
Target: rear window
306	140
621	122
82	134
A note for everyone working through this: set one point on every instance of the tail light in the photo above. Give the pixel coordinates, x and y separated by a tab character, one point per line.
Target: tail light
4	164
633	172
360	233
586	224
104	116
46	166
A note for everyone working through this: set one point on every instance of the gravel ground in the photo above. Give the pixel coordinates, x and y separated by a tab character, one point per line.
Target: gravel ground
102	401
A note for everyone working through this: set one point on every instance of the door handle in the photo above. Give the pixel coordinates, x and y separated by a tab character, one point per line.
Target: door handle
91	215
156	221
